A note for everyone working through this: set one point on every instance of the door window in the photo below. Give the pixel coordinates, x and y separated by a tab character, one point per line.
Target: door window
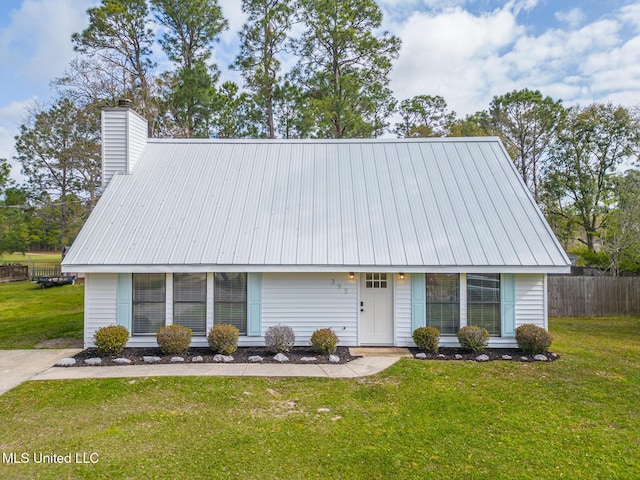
376	280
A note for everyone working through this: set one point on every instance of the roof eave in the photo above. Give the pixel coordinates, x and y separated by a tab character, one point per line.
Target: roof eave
179	268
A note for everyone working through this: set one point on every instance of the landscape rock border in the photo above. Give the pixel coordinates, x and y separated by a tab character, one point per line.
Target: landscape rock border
489	355
142	356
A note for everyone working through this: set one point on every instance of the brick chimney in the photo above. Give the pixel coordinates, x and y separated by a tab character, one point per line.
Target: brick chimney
124	136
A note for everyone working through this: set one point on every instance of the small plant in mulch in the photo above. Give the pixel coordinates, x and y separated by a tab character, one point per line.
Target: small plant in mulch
174	339
324	341
279	338
426	338
199	355
110	340
223	338
533	339
473	338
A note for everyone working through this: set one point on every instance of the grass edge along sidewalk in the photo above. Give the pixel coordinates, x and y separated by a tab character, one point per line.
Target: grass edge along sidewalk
574	418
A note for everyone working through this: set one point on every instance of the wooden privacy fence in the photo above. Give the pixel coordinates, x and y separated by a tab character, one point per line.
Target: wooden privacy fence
12	273
593	296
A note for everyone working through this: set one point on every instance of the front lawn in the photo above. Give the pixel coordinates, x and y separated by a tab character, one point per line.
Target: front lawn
30	314
576	418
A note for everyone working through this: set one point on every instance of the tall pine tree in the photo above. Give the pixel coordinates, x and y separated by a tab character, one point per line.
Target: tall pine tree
262	38
190	29
342	64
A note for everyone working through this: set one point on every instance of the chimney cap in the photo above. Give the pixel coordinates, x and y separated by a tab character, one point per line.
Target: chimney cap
125	103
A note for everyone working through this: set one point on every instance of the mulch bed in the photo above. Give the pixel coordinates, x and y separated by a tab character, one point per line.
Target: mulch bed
243	353
239	356
493	354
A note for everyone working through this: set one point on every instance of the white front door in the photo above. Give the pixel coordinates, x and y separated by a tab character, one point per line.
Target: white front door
376	309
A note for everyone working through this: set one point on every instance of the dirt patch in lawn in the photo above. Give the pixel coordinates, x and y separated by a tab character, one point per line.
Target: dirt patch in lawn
61	343
136	355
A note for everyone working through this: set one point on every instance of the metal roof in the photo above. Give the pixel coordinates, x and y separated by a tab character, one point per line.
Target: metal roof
452	204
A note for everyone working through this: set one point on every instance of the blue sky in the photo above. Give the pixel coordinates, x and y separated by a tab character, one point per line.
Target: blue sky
464	50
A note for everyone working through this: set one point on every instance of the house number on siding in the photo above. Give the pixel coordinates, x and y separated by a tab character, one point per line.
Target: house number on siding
339	286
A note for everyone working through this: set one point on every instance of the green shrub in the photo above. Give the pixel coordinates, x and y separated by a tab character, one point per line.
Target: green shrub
279	338
473	338
533	339
174	339
110	340
324	341
223	338
426	338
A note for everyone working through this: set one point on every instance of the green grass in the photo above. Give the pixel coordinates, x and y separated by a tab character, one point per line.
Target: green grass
29	257
576	418
30	314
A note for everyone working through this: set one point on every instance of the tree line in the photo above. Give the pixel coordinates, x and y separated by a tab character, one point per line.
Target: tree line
309	69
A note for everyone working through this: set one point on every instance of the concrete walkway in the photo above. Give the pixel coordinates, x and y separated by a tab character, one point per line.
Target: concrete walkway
356	368
17	366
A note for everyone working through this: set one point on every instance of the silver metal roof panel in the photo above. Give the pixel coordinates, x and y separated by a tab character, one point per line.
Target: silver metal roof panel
395	205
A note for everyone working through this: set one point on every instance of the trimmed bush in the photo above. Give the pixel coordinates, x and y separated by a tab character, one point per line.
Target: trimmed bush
533	339
426	338
174	339
279	338
111	340
324	341
473	338
223	338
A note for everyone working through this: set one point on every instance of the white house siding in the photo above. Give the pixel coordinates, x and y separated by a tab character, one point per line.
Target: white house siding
308	301
530	299
124	134
114	145
402	302
137	139
100	303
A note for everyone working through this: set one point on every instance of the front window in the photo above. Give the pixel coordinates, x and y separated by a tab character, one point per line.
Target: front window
231	300
443	302
148	303
483	301
190	301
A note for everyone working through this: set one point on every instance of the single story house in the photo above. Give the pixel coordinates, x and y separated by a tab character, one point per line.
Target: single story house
372	238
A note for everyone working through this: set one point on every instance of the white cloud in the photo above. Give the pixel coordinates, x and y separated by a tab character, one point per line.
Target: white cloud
232	11
573	18
15	113
37	42
6	141
555	53
522	5
469	58
631	14
11	117
455	54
